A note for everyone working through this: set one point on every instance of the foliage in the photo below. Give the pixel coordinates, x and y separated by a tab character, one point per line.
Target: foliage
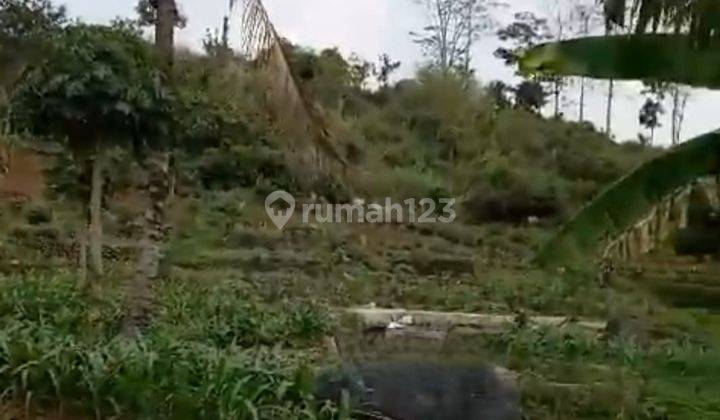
530	96
455	139
649	116
56	345
453	28
639	191
102	89
25	28
656	57
387	68
525	31
659	58
147	14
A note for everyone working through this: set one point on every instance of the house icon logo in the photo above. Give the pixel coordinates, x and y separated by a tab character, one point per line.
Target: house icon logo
279	206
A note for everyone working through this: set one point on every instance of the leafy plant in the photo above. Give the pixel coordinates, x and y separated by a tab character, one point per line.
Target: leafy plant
96	88
692	58
58	347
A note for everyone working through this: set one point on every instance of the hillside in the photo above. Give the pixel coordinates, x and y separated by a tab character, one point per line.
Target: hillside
115	163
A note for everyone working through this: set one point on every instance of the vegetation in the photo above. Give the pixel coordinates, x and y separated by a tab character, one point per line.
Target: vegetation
61	351
198	309
655	57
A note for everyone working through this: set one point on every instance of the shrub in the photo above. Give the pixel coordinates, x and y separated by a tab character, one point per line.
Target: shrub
37	215
243	166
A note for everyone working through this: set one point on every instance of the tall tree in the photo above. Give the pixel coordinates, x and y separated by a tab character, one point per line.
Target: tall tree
530	96
165	16
609	100
649	117
585	17
453	28
386	68
560	27
26	29
525	31
680	98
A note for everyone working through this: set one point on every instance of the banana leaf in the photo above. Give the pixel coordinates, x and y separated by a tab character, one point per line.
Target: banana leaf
664	57
629	199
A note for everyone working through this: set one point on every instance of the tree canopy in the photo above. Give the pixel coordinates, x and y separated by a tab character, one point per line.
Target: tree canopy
97	83
25	27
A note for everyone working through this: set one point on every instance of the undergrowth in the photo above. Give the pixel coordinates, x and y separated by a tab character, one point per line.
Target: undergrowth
207	356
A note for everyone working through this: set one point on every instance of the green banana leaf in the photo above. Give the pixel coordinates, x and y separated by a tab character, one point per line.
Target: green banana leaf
671	58
629	199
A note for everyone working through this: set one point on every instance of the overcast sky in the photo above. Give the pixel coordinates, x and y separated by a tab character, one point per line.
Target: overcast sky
372	27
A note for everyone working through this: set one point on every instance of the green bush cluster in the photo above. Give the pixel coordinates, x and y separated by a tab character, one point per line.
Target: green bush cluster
435	135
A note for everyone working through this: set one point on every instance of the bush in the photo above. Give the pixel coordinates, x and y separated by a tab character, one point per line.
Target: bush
37	215
504	192
243	166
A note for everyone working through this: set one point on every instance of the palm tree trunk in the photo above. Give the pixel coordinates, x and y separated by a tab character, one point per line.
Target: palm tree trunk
82	252
675	136
586	30
611	93
165	32
556	93
582	100
608	114
140	293
95	231
7	130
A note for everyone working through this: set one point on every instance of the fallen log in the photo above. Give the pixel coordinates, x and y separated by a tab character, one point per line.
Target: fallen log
399	319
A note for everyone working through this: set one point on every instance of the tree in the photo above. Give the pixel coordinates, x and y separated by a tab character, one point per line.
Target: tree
680	98
157	162
560	22
649	117
96	88
499	92
584	18
609	101
360	71
453	28
526	31
530	95
387	68
217	44
26	28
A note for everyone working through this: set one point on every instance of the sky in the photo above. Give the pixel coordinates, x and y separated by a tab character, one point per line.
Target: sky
373	27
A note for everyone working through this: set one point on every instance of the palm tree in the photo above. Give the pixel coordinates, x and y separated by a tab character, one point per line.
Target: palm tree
297	113
157	167
672	41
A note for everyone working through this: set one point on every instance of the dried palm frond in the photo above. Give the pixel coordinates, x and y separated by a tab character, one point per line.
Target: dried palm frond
299	116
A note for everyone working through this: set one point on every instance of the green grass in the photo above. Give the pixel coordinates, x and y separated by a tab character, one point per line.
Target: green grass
210	354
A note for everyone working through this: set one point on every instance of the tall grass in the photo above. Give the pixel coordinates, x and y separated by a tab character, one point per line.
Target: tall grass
203	358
